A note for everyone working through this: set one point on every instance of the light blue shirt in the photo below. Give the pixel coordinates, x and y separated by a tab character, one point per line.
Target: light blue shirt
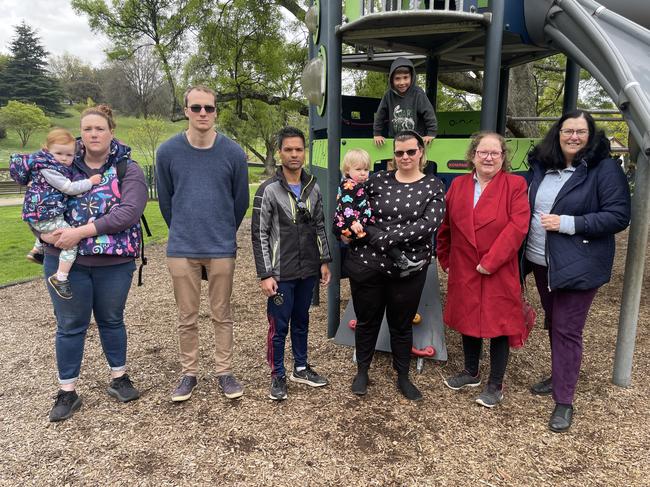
546	194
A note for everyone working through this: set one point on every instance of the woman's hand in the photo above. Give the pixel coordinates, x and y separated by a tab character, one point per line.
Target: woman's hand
49	238
66	238
357	227
551	223
482	270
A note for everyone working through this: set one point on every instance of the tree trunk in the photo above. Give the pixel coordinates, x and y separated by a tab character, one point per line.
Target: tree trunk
522	99
269	160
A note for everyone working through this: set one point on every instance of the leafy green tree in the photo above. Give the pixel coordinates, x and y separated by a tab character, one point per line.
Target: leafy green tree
25	78
24	118
133	24
146	136
256	72
78	79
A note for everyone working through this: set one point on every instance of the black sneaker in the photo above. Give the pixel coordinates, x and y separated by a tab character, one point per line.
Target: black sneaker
278	388
122	389
408	267
67	402
184	388
35	257
308	376
62	288
461	380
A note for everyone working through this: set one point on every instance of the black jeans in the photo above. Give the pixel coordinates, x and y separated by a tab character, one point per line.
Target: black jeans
499	352
372	294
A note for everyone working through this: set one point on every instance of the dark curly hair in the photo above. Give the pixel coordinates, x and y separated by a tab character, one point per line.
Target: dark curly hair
549	152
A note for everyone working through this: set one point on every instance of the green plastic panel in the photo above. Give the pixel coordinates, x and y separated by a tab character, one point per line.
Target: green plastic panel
448	154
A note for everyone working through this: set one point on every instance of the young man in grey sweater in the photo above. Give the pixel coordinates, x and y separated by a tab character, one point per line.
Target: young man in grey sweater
202	180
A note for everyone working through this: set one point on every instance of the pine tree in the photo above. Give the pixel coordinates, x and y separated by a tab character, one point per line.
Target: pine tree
25	77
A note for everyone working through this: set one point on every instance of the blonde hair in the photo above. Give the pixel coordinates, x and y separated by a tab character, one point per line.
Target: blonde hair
354	157
103	111
476	140
203	88
58	136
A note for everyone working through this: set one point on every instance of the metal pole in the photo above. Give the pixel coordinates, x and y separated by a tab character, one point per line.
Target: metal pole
571	83
315	301
334	16
633	281
503	100
432	66
493	45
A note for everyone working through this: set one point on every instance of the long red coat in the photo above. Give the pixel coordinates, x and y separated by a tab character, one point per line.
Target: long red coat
491	233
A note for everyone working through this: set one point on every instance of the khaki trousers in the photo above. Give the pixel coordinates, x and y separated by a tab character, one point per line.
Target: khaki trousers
186	278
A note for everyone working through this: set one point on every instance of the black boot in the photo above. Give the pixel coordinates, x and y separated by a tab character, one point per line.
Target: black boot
561	418
360	383
407	388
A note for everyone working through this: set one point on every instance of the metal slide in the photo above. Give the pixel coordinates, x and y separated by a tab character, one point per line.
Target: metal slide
616	51
613	48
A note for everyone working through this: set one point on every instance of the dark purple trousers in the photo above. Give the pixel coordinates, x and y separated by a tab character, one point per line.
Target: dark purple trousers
566	313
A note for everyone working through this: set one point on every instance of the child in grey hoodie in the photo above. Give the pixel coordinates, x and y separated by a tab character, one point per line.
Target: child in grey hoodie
404	106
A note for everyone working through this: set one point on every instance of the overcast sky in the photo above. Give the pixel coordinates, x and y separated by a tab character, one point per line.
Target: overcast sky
59	28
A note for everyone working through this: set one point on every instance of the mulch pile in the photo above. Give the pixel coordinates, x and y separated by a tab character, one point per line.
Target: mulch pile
318	436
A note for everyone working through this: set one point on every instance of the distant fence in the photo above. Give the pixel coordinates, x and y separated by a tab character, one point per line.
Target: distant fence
8	185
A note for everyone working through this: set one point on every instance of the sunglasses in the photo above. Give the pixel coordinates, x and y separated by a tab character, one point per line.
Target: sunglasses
400	153
197	108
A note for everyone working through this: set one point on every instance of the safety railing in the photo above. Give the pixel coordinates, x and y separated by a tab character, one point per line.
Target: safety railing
375	6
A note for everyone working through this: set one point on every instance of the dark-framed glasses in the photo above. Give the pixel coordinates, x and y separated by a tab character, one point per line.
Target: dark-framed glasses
483	154
400	153
207	108
570	132
303	213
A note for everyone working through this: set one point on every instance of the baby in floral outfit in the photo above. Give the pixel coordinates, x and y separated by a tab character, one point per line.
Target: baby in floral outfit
353	210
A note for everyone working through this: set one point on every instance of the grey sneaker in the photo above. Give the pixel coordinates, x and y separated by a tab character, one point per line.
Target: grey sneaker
184	388
278	388
230	386
62	288
461	380
491	396
121	388
308	376
67	402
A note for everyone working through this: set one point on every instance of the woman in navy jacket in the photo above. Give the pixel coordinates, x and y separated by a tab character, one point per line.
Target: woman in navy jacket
579	199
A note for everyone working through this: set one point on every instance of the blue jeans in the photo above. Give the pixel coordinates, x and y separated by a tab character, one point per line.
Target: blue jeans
297	296
101	291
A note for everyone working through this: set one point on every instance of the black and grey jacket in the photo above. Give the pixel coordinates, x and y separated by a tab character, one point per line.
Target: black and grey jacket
288	233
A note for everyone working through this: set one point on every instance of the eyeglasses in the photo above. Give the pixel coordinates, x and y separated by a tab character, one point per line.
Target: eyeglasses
484	154
197	108
570	132
400	153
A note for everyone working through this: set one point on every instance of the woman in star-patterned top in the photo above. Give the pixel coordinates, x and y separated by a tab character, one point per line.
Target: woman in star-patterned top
408	207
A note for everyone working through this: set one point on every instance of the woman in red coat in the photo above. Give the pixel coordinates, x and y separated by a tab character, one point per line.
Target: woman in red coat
485	224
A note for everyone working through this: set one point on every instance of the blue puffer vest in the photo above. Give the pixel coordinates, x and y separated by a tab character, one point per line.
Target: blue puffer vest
42	201
98	201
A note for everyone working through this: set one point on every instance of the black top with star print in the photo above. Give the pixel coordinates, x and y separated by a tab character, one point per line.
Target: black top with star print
406	217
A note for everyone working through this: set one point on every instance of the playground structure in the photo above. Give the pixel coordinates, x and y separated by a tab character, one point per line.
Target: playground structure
609	39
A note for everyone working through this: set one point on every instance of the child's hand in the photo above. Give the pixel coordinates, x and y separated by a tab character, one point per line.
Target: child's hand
427	139
357	227
95	179
379	140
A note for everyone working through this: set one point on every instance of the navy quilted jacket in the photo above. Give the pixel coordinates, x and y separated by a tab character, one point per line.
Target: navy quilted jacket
598	196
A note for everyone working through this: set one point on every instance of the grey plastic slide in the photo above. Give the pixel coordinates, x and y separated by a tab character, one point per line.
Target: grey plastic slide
613	48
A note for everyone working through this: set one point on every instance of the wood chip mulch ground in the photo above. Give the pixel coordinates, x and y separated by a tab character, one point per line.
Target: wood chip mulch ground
317	437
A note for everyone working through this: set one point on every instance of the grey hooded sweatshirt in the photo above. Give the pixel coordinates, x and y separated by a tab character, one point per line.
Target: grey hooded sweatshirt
409	111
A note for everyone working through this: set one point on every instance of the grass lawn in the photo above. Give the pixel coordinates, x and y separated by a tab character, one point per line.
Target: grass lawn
16	240
11	143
